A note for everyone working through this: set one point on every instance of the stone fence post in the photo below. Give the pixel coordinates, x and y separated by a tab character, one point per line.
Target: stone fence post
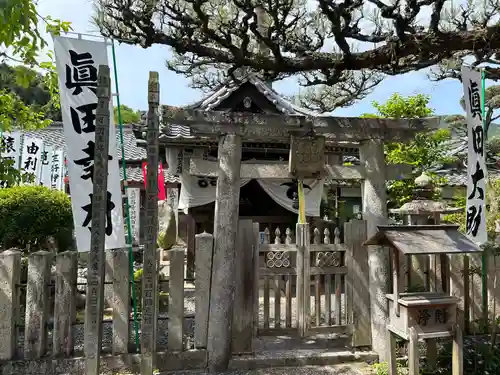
65	304
37	304
121	300
176	300
204	243
10	274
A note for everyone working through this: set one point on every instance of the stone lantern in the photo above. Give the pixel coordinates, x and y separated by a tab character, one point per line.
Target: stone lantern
423	209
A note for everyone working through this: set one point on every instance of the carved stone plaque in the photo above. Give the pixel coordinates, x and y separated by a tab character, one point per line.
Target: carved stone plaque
307	157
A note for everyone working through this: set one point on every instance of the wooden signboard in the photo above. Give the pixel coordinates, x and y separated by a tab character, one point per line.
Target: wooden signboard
307	157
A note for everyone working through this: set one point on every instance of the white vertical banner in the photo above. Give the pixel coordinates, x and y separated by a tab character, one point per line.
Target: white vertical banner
173	201
46	170
31	157
134	203
57	170
10	147
476	166
77	63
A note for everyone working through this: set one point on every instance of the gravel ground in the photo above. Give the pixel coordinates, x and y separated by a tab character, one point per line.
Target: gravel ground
306	370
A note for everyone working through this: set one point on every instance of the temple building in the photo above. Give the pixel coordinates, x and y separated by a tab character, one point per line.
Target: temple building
272	203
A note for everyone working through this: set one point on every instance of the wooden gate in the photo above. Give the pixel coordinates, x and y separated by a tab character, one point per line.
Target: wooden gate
307	285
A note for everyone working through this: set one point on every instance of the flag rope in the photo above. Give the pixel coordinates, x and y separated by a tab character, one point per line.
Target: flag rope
127	205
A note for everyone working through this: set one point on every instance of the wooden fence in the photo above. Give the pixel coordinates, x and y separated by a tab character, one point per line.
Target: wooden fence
42	318
463	278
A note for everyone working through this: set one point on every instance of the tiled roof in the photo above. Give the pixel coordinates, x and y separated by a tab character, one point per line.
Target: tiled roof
134	174
213	100
283	105
459	177
54	136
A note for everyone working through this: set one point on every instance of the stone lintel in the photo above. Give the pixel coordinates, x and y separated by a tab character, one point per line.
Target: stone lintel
252	125
207	168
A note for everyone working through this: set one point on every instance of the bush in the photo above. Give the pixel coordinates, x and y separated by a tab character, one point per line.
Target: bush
35	218
480	358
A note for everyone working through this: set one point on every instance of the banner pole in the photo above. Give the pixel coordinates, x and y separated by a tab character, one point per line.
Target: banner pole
127	205
484	256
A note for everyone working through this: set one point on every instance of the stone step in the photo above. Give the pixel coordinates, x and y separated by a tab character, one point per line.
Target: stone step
344	369
301	357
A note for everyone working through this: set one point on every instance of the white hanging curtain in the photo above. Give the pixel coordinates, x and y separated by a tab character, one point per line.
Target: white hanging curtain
281	191
198	191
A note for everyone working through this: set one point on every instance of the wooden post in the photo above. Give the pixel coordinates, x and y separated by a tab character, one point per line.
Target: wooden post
204	247
95	274
244	288
357	287
225	230
190	243
457	352
303	241
395	279
391	355
459	282
65	304
413	354
10	274
256	277
374	202
176	300
150	274
431	354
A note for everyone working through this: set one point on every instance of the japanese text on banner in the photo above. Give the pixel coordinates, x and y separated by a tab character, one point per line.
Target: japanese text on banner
10	149
476	166
77	62
31	160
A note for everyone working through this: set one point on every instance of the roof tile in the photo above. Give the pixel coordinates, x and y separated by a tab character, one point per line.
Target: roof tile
54	137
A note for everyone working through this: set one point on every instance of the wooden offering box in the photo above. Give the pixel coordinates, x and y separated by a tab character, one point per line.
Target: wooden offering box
432	315
423	315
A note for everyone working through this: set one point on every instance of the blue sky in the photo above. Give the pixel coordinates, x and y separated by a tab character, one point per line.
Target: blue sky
134	63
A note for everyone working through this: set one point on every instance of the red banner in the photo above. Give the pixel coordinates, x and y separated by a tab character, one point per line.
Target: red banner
162	194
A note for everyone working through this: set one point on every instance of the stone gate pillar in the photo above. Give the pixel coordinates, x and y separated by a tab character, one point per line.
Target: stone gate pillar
225	228
374	202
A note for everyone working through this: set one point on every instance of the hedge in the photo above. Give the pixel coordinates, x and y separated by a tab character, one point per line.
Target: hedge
35	218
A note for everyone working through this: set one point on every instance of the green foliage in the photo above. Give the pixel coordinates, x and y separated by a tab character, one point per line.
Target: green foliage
492	214
480	358
30	88
425	151
400	107
34	216
382	368
128	115
20	33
